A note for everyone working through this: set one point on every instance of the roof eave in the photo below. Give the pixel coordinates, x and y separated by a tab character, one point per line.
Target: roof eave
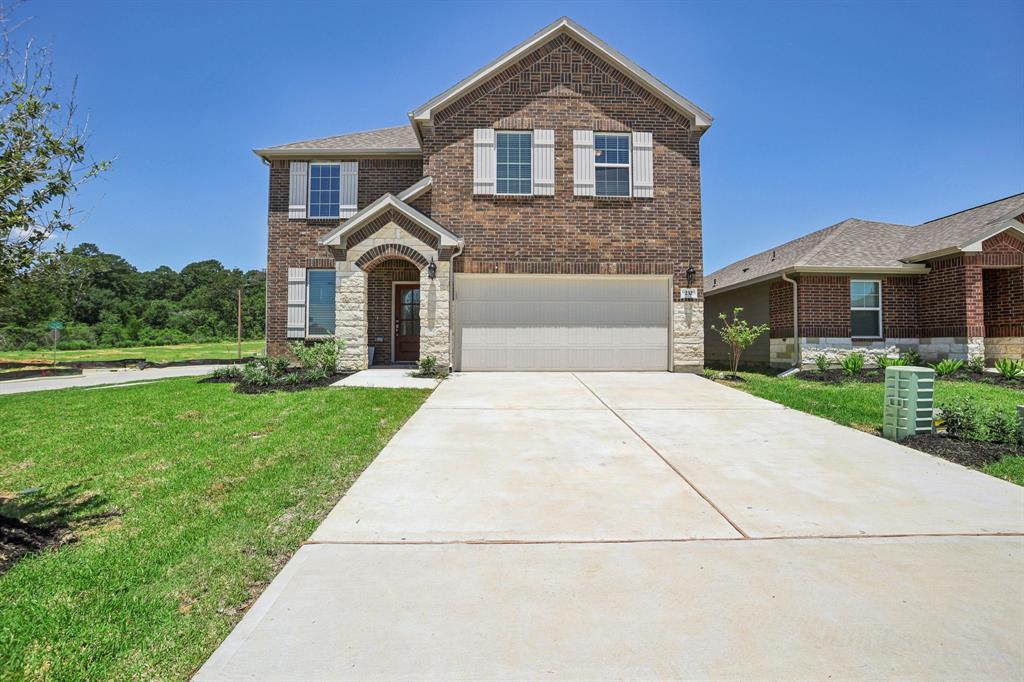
271	153
909	269
425	112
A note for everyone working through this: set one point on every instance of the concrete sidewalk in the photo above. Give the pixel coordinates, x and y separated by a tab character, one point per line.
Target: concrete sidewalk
655	526
102	377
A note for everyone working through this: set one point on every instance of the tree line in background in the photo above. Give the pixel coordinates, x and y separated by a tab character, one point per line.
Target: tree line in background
104	301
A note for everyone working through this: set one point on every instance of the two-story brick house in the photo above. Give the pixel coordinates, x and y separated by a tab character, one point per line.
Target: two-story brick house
542	214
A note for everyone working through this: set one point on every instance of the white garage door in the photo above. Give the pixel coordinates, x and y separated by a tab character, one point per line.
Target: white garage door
536	322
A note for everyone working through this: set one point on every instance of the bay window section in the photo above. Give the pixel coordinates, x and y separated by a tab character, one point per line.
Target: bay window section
865	309
320	287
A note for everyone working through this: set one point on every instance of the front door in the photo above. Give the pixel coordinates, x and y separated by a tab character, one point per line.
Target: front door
407	322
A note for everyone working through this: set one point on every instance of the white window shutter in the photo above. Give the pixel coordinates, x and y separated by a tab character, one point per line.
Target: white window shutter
298	181
349	188
484	162
296	303
643	165
583	162
544	162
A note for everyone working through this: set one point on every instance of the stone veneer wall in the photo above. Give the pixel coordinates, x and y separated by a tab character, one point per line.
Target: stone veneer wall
435	314
1007	347
688	336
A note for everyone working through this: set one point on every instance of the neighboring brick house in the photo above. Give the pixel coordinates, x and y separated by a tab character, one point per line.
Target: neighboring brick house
543	213
952	287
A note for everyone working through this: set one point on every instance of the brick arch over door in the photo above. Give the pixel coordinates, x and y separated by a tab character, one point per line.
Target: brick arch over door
383	252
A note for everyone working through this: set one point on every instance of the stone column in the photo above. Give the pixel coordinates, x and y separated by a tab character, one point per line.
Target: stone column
435	315
350	316
687	336
975	348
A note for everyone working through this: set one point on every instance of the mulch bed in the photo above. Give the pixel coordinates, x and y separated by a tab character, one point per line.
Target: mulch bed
251	389
877	376
970	453
18	539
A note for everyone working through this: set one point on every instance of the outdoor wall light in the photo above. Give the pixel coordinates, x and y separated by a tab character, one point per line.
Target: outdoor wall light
690	274
432	269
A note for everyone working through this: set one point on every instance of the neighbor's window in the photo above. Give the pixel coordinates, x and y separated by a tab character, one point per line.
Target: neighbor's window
865	308
515	163
324	190
320	286
611	164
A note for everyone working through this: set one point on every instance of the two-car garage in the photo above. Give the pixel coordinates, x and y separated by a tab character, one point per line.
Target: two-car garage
556	322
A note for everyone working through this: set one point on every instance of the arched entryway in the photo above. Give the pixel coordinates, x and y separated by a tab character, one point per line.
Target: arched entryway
393	310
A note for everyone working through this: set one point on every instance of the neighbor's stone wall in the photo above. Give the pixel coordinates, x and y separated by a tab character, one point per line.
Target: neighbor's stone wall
1007	347
687	336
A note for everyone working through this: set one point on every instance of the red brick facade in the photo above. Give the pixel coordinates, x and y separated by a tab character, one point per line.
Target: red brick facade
293	243
969	295
564	86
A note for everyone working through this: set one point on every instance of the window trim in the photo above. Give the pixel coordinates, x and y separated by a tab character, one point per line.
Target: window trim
881	329
497	134
627	166
309	191
308	308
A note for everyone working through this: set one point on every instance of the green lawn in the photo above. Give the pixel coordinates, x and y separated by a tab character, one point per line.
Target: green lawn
860	405
218	350
186	498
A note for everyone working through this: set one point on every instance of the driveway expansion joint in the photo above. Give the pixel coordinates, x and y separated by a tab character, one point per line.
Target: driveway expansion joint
662	457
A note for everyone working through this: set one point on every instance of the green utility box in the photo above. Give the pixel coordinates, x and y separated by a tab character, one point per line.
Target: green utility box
909	401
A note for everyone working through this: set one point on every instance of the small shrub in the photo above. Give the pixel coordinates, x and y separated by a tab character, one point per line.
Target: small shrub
1010	369
315	375
1002	426
852	364
976	364
912	357
947	367
738	334
712	374
960	413
428	365
321	355
822	362
255	373
230	372
887	361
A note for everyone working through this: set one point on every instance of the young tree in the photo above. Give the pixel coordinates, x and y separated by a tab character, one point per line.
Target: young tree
738	334
42	153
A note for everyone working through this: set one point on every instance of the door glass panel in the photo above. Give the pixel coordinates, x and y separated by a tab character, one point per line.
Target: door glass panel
409	328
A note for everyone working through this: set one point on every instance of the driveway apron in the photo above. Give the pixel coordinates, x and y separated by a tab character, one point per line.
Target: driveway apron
643	525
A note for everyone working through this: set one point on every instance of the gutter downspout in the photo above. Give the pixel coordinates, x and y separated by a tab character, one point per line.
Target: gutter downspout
796	320
451	304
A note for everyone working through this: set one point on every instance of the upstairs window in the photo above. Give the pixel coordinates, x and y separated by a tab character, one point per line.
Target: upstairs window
320	305
611	164
865	309
324	190
514	163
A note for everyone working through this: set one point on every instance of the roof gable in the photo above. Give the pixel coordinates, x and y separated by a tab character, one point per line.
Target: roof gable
529	47
388	202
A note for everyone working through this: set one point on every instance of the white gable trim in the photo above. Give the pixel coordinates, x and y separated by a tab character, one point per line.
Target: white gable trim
424	113
389	201
416	190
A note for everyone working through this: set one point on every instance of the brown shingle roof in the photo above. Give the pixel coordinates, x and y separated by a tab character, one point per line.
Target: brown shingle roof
400	139
856	243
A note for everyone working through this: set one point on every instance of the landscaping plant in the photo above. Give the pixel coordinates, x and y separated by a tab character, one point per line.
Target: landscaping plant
821	360
976	364
912	357
947	367
852	364
1010	369
320	355
738	334
886	361
429	368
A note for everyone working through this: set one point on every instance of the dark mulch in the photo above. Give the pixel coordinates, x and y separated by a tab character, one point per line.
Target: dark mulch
877	376
18	539
288	387
970	453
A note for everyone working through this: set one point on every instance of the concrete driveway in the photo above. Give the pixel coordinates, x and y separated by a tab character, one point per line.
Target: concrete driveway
653	526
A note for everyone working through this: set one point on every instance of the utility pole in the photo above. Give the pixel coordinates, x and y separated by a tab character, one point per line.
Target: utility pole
239	323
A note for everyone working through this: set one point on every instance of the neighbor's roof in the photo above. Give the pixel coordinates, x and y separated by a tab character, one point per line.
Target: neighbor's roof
870	246
397	141
567	26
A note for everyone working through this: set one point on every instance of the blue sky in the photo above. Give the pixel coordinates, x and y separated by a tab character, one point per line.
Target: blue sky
890	111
